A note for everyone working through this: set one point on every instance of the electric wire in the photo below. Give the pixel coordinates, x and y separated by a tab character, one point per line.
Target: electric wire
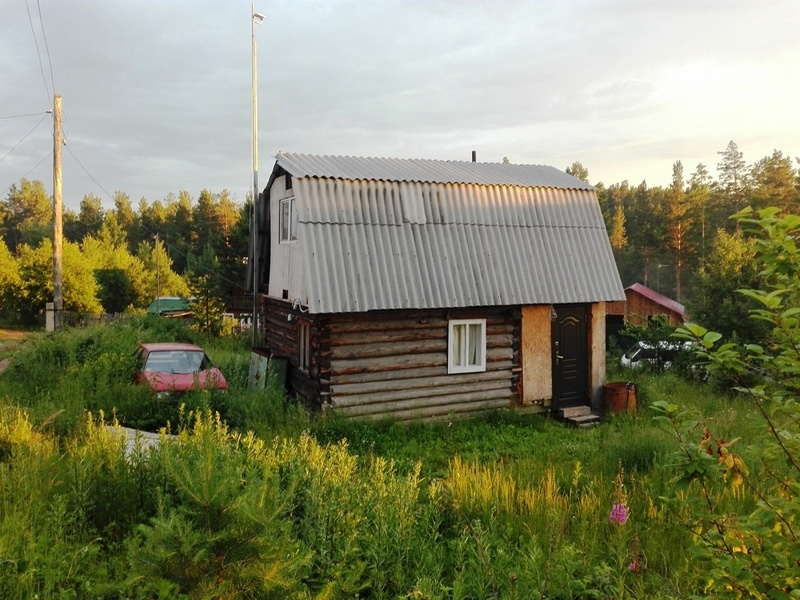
24	138
38	54
36	114
80	164
48	155
170	248
46	47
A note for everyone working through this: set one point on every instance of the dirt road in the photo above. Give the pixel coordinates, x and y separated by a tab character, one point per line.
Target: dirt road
9	339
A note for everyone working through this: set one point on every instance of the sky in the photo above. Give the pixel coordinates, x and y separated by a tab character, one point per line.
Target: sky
157	94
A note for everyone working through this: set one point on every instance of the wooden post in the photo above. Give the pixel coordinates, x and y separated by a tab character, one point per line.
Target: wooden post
58	297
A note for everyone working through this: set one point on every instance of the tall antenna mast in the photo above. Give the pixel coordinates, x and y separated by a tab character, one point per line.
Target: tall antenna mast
255	19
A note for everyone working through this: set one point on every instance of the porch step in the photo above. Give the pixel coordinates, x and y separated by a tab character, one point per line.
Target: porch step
578	416
569	412
590	420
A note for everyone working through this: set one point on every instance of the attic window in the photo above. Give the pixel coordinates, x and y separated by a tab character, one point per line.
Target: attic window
288	182
466	351
287	221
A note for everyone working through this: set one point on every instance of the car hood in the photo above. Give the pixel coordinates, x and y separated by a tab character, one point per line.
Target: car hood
211	379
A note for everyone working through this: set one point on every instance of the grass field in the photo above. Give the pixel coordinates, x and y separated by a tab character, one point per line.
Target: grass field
264	501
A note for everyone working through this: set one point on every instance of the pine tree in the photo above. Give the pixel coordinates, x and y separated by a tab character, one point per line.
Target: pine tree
206	284
618	236
678	220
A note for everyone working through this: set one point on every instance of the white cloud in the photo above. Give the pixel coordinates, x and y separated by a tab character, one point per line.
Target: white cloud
157	94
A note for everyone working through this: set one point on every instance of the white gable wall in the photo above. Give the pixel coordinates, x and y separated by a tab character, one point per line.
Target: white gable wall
286	265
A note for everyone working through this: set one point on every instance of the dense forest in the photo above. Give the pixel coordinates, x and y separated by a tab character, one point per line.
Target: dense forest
120	259
678	240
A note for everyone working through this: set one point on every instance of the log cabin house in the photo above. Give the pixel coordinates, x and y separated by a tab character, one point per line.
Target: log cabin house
425	288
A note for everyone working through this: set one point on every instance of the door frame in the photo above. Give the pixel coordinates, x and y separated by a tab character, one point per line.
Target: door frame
571	333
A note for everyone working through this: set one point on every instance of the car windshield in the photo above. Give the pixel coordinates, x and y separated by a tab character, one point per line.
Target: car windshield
176	361
641	352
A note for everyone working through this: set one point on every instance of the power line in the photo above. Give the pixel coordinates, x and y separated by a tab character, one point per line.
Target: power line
38	54
171	248
36	114
46	47
26	135
86	171
48	155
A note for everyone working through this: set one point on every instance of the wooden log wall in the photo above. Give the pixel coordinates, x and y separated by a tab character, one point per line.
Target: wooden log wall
281	338
394	364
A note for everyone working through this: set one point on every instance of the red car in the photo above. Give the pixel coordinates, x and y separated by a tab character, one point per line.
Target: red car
173	367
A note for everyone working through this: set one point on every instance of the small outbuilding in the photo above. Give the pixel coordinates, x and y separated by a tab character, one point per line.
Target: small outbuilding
642	304
410	288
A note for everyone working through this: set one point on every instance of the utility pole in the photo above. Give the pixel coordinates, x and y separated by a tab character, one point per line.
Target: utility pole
158	277
58	140
255	19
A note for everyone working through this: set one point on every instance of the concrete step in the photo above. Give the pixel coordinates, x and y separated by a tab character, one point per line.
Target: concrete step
590	420
574	411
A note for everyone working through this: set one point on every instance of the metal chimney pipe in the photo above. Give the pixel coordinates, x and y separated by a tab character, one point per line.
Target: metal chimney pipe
474	156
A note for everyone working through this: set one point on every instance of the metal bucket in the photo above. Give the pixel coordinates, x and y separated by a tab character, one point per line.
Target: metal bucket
619	396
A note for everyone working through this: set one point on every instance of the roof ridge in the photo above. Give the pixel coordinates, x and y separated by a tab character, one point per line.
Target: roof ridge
426	170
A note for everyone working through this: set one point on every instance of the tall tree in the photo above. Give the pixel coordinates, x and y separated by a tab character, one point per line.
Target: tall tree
121	277
207	227
10	282
162	280
646	227
775	184
732	179
617	236
128	220
179	232
152	217
91	215
678	220
204	275
576	169
27	215
36	274
717	305
112	234
699	196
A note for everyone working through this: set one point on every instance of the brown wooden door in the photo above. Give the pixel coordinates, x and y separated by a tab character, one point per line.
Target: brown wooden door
570	341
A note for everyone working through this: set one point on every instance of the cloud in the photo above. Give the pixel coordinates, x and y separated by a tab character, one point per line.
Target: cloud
157	94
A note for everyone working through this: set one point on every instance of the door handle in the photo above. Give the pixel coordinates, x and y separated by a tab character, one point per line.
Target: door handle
558	356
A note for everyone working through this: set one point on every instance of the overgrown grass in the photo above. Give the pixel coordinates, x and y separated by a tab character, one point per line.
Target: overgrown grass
504	506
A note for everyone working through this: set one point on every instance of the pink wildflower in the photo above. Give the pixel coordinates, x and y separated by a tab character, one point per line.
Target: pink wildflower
634	566
618	514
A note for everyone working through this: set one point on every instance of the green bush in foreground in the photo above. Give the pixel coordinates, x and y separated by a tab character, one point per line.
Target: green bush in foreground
751	553
504	506
215	513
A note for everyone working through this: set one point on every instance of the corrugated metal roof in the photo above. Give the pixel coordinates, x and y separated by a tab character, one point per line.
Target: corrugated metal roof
167	304
424	170
659	299
379	243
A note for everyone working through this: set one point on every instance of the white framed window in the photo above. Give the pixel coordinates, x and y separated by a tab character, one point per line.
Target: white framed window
303	346
287	221
466	348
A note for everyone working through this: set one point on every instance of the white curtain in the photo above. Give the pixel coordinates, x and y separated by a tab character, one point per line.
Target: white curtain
459	347
474	344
